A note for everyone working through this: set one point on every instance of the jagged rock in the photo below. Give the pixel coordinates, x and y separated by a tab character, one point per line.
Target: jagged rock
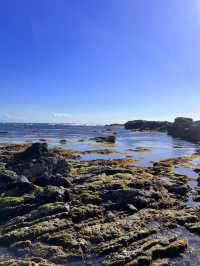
54	180
10	180
35	151
37	162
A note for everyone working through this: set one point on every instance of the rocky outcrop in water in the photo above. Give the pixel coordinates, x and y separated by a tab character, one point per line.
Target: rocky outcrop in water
185	128
109	213
107	139
147	125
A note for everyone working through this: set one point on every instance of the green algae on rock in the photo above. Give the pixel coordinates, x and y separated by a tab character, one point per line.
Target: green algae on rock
108	212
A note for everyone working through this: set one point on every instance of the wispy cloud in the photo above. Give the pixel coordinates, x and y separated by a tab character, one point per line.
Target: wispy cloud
7	117
62	115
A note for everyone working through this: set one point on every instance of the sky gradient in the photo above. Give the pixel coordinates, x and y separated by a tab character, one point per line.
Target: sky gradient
99	61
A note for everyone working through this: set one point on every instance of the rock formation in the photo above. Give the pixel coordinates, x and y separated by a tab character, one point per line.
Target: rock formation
185	128
147	125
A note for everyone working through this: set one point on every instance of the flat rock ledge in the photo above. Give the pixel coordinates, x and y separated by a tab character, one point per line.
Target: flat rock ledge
60	211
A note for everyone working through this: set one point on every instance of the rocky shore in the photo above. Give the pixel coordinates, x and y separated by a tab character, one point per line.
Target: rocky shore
184	128
147	125
56	209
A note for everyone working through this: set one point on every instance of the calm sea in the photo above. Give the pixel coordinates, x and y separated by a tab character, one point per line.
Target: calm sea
79	138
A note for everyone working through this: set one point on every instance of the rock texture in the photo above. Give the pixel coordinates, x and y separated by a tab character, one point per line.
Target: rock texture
39	165
185	128
107	139
60	211
147	125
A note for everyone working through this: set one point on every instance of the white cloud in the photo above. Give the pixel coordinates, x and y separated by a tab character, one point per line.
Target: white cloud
62	115
7	117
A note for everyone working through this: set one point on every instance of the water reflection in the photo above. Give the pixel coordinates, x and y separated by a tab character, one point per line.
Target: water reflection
79	138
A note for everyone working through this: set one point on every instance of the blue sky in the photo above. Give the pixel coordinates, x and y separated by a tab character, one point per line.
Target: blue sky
99	61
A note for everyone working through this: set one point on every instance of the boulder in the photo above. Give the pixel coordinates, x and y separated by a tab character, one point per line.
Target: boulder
10	180
107	139
36	162
35	151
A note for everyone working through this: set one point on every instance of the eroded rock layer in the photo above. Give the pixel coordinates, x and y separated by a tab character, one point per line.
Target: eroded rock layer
56	210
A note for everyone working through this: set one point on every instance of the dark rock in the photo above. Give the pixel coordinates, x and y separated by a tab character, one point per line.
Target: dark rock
147	125
185	128
180	189
197	198
22	244
193	227
183	121
174	249
10	180
197	170
107	139
144	261
37	162
55	180
128	196
35	151
198	180
52	194
110	170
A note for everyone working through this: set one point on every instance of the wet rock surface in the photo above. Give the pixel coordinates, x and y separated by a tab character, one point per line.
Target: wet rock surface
60	211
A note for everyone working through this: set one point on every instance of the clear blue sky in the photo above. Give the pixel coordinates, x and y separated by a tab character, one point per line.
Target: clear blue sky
99	61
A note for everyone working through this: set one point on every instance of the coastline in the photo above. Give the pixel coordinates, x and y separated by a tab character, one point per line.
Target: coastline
57	209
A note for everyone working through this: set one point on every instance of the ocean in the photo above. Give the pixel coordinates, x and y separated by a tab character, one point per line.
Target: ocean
79	137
